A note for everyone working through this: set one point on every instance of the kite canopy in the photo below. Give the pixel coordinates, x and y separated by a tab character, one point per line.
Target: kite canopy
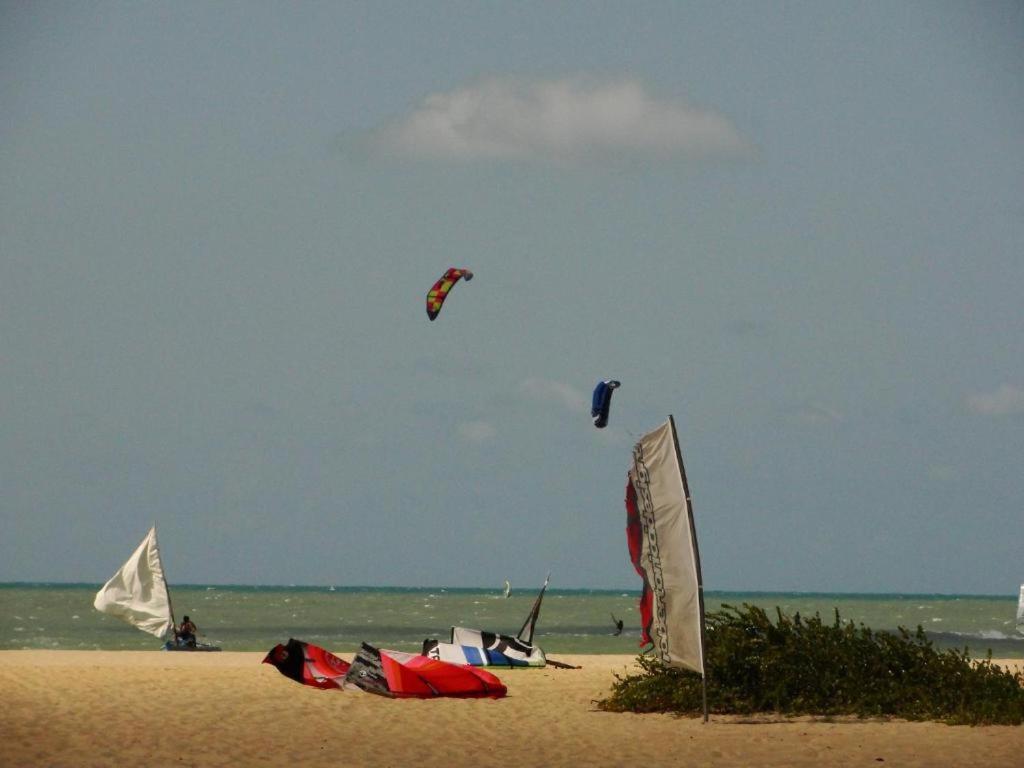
483	649
405	675
387	673
439	292
602	402
308	664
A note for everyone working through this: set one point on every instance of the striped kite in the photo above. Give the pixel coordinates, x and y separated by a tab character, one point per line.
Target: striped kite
439	292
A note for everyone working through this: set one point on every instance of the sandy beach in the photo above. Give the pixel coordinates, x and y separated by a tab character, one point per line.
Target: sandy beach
98	708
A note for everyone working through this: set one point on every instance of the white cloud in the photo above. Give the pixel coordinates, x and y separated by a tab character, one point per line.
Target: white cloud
476	431
557	120
1005	401
566	395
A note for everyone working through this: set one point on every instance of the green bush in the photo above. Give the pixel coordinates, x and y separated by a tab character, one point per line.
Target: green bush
799	666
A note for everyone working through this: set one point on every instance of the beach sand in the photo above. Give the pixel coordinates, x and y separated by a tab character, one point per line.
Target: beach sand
123	708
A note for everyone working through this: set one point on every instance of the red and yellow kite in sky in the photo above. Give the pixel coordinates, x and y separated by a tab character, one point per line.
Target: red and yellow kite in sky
439	292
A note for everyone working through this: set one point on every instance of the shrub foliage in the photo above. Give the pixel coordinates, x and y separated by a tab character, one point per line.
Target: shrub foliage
798	666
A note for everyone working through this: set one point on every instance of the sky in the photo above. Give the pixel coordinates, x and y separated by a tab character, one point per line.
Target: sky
796	227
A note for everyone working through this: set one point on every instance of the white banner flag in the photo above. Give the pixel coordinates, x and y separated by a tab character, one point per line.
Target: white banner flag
663	537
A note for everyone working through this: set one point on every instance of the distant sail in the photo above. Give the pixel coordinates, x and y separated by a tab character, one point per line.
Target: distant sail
663	548
508	588
1020	609
137	593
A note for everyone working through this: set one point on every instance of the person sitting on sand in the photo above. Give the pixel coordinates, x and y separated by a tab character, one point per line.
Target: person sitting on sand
186	632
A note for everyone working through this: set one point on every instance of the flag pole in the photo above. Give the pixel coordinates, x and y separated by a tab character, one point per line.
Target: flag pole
696	565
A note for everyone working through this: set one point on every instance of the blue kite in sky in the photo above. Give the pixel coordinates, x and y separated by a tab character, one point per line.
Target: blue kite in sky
602	401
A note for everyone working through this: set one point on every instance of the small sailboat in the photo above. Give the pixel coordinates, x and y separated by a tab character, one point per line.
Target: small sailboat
138	595
508	589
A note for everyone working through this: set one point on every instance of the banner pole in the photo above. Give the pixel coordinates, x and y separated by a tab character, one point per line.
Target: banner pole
696	565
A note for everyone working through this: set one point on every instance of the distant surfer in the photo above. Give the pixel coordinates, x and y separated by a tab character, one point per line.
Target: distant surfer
508	589
618	625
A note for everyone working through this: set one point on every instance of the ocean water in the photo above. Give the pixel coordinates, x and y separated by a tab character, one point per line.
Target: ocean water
247	618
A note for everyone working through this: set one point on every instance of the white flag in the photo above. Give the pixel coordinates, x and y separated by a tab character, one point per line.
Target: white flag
664	544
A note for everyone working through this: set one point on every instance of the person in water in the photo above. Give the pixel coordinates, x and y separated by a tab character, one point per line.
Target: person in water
618	625
186	632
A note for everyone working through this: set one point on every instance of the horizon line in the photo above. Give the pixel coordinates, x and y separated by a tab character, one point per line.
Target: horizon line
528	590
